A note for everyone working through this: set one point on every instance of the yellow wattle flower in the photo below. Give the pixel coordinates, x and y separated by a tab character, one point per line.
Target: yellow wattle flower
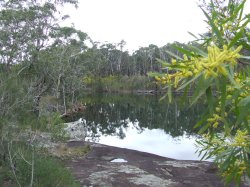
157	78
215	125
174	61
217	109
241	139
214	65
222	70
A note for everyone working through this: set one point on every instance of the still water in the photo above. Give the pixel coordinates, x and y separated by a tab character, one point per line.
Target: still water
144	123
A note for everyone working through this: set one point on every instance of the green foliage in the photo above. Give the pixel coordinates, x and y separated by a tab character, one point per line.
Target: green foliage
37	60
46	171
53	124
218	71
231	154
119	83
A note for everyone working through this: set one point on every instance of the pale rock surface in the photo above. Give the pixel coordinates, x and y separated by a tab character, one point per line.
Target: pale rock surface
77	130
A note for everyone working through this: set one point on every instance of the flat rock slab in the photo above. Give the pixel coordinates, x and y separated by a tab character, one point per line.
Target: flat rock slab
138	169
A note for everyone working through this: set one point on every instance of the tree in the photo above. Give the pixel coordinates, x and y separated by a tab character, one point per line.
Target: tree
38	58
26	28
217	69
30	32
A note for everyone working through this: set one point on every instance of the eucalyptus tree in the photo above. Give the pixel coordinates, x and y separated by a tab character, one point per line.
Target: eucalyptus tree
94	63
113	57
153	55
125	68
119	60
26	27
61	66
146	59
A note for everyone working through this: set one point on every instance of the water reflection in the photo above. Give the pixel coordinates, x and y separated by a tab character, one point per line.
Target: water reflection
154	141
143	123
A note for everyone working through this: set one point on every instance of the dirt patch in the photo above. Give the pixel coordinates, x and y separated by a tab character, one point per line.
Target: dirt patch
138	169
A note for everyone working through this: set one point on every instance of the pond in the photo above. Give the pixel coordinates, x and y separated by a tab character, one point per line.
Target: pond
144	123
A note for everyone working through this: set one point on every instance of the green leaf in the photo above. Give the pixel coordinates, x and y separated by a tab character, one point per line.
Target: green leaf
231	77
235	11
188	82
245	57
163	97
174	55
169	92
205	155
244	102
223	91
193	35
240	9
184	95
204	128
184	51
201	88
214	28
198	51
227	128
245	23
163	62
203	119
236	38
210	99
244	43
242	113
154	74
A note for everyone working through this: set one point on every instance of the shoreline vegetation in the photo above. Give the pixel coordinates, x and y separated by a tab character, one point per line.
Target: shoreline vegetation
127	85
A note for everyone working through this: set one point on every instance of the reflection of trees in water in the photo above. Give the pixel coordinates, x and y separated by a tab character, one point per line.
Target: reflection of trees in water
110	114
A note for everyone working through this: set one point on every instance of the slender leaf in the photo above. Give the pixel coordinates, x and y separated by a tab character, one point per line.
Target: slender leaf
236	38
184	51
223	90
201	88
174	55
163	62
240	9
203	119
193	35
210	99
214	28
154	74
204	128
198	51
245	57
245	101
169	92
188	82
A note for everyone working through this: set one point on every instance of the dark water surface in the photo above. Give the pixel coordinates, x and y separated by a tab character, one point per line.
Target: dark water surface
143	123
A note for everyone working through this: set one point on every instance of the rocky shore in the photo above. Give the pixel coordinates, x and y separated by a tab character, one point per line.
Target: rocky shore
107	166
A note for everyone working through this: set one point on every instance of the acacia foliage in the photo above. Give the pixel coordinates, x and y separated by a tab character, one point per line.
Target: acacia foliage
217	68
